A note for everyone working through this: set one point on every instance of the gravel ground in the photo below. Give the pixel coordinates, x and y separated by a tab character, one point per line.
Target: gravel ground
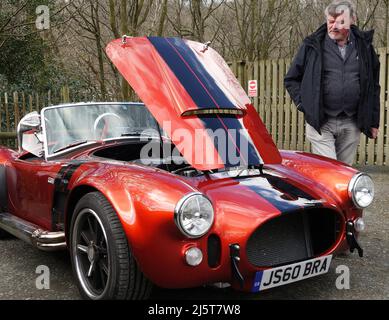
369	276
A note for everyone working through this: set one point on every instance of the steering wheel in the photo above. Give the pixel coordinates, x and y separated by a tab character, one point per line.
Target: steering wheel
97	121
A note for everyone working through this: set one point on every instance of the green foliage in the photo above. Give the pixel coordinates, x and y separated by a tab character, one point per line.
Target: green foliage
27	61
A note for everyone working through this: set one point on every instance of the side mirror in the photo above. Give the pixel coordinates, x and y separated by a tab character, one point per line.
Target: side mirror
30	134
31	120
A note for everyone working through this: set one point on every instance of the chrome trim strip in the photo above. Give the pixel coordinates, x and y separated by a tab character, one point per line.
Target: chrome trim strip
32	234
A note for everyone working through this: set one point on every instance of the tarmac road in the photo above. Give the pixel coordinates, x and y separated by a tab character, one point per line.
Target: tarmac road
369	276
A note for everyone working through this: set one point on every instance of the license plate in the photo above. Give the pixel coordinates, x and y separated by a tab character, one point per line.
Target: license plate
280	276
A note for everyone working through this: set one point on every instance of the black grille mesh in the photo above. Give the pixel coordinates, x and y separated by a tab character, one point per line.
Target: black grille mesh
214	250
281	240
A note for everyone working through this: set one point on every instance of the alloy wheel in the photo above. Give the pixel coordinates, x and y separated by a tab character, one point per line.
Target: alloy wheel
90	250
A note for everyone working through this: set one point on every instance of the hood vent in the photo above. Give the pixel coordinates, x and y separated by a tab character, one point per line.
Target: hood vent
213	112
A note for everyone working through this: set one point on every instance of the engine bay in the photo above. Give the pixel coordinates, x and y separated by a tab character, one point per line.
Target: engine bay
149	153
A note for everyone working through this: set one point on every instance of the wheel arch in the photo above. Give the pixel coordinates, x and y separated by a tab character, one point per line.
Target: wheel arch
74	197
119	200
127	280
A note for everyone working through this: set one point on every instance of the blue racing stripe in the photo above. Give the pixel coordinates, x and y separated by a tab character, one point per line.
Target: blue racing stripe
280	193
293	191
191	73
278	199
232	147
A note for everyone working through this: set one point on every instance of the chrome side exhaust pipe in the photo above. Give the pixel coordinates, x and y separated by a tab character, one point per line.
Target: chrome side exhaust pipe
32	234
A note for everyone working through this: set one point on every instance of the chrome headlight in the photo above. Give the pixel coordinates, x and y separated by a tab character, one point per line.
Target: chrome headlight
361	190
194	215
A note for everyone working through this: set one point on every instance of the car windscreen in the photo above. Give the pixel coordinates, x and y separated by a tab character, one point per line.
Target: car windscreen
69	126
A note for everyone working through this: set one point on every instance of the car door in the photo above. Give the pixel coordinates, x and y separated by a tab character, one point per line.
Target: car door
31	188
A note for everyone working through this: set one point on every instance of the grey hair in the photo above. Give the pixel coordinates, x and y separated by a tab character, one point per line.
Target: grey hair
337	7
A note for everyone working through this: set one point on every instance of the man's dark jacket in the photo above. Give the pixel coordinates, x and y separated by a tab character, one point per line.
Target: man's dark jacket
303	80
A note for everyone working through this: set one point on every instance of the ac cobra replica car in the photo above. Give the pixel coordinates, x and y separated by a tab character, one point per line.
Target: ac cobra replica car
184	190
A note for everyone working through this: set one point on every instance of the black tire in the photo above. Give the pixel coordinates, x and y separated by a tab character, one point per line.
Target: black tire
4	234
102	261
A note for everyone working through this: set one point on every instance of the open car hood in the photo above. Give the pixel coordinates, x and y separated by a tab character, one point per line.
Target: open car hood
195	97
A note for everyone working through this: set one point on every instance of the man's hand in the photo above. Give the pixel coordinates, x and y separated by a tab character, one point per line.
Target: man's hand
374	133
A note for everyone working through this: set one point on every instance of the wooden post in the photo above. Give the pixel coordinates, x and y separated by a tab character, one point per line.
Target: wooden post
362	150
30	103
61	95
281	103
256	77
293	139
274	100
380	138
38	105
268	96
6	111
67	94
23	104
49	98
262	89
300	131
16	109
287	114
370	151
249	74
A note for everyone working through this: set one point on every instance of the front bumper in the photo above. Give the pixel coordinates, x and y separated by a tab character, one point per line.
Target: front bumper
235	254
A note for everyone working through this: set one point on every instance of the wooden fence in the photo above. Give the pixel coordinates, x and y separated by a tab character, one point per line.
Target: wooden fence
15	105
274	105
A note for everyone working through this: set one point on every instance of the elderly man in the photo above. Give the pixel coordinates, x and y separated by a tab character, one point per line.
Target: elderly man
334	81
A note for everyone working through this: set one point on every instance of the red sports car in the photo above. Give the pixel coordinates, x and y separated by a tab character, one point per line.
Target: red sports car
184	189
